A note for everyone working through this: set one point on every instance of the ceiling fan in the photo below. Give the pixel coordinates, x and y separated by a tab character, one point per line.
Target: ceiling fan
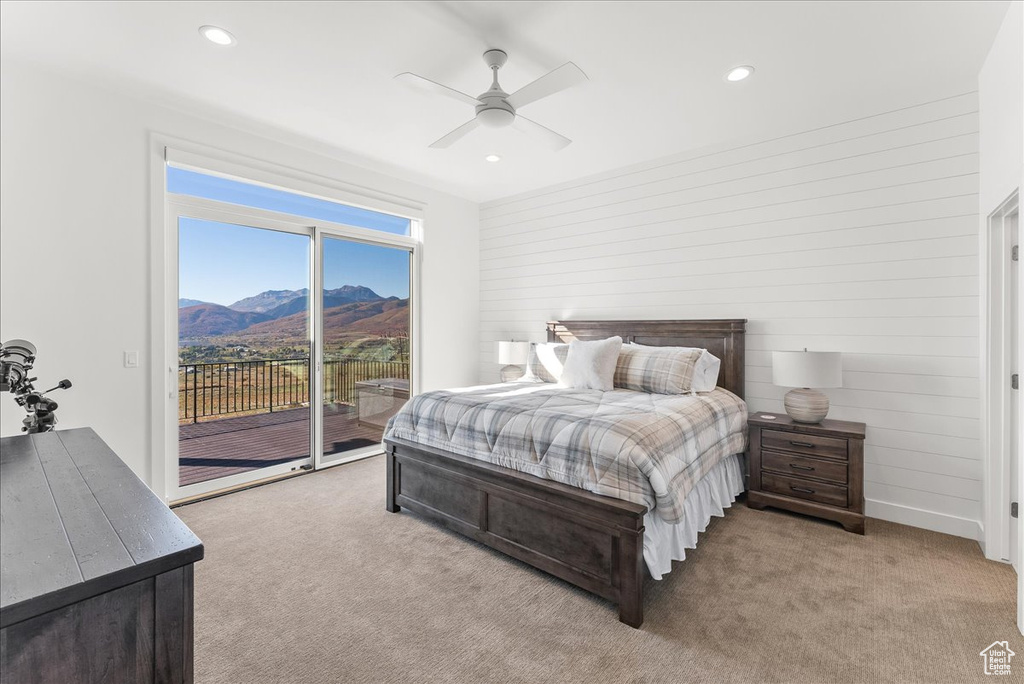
496	108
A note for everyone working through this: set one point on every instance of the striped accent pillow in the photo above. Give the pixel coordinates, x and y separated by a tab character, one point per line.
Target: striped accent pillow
658	370
547	361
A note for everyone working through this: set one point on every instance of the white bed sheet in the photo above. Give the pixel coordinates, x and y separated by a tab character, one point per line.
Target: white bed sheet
665	542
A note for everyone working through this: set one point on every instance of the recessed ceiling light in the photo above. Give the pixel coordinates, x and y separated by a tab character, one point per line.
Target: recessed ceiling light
492	158
216	34
739	73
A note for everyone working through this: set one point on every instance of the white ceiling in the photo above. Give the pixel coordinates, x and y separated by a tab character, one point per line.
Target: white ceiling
324	70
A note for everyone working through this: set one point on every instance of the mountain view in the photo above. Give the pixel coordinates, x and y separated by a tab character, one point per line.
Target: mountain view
275	323
210	320
265	301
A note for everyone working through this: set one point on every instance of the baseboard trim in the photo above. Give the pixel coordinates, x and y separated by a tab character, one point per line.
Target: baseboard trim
928	520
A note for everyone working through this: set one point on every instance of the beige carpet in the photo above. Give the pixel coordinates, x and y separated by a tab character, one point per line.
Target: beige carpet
310	580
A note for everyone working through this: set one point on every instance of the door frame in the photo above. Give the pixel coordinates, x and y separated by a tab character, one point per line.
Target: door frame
996	335
163	462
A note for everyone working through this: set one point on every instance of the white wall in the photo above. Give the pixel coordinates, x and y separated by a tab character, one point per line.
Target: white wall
859	237
1001	113
75	240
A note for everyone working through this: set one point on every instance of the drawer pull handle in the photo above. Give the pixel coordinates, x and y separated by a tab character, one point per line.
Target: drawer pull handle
794	466
803	444
801	489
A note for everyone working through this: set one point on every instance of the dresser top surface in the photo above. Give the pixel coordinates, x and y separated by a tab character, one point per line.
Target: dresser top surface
837	428
75	521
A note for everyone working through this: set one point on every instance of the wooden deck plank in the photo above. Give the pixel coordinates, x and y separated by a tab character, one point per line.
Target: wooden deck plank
229	446
217	426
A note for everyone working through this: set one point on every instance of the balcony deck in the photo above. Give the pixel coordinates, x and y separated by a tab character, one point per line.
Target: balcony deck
229	446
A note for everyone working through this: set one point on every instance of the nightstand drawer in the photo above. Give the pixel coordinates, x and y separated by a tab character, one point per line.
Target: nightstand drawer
833	495
812	445
801	466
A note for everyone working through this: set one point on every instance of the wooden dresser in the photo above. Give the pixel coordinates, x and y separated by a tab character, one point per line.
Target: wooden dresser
812	469
95	571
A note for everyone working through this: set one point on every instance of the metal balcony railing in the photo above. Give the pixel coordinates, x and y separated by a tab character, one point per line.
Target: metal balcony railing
211	390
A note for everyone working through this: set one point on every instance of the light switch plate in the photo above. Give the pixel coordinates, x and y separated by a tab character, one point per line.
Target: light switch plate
131	359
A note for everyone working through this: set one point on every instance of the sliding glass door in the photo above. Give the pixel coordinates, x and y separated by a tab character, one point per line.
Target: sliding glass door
366	343
269	380
245	342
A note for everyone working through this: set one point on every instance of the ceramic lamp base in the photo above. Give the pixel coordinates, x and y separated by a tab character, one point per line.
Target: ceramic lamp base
512	372
806	405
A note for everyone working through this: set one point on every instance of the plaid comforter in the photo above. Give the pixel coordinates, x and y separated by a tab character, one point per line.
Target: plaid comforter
650	449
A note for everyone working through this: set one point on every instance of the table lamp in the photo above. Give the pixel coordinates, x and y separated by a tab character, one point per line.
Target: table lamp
513	355
807	372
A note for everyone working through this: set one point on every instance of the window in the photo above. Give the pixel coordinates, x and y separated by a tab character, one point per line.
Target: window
185	182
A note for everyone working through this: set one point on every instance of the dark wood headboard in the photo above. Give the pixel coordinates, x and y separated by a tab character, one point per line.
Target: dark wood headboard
722	337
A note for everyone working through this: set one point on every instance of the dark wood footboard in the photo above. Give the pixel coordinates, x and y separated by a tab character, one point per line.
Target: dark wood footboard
594	542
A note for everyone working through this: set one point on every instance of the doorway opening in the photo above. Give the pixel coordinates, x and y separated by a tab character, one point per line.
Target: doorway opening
1003	422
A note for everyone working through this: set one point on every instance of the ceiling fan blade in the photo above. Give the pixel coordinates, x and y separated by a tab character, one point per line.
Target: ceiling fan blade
425	84
456	135
565	76
545	135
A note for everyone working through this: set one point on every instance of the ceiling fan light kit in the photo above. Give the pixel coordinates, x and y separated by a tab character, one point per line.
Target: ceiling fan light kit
497	109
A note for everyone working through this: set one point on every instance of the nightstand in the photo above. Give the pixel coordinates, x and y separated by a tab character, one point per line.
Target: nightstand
811	469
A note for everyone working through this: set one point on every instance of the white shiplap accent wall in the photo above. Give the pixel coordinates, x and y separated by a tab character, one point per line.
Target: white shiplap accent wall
859	237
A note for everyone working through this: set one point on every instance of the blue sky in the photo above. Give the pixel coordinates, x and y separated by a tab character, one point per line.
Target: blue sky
222	263
384	270
186	182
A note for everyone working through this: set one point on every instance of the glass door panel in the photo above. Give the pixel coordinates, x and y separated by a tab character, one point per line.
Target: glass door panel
367	357
244	342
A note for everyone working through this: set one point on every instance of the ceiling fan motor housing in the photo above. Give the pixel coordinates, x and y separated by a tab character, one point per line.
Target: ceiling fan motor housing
494	111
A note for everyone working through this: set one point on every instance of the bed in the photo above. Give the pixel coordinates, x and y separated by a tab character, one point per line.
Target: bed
593	541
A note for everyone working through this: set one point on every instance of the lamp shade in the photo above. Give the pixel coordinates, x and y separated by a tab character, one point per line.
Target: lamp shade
513	353
807	369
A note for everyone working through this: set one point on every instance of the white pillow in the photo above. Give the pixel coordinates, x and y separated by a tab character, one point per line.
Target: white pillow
591	365
705	374
705	371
